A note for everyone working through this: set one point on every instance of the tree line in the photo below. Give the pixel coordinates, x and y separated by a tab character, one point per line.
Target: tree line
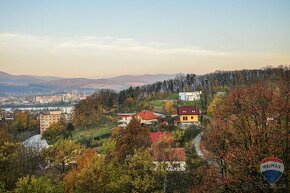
102	106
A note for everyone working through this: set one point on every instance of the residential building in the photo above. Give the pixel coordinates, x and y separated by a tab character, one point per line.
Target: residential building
36	141
66	117
8	116
67	110
188	114
147	117
173	158
220	93
48	99
70	97
125	118
47	119
190	96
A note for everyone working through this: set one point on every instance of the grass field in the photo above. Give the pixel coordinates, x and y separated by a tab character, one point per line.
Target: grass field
157	103
92	132
174	96
189	103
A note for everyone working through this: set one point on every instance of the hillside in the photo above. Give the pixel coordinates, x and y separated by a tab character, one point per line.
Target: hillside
91	110
208	83
37	84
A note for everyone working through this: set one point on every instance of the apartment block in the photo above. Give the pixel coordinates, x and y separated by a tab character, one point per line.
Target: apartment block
49	118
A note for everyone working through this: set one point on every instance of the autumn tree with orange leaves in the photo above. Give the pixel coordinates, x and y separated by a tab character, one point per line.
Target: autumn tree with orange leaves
251	124
133	137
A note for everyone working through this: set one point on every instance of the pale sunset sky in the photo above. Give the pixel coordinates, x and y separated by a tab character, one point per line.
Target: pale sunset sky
104	38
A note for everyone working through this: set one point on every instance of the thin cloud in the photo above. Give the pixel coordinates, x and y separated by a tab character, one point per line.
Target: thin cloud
91	56
93	43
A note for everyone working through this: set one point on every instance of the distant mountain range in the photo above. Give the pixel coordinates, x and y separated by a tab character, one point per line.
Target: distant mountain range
41	84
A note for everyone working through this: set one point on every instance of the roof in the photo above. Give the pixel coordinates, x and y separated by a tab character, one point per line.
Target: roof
190	93
36	141
169	154
188	110
156	136
126	114
147	115
160	115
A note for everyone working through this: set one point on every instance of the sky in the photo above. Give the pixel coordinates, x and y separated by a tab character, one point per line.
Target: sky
104	38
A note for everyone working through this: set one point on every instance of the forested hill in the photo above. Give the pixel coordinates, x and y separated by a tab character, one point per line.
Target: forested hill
209	83
93	109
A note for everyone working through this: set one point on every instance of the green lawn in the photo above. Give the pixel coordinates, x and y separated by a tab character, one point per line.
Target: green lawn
157	103
189	103
173	96
93	132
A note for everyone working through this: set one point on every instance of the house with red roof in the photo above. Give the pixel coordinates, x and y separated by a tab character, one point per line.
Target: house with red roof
125	118
188	114
147	117
173	158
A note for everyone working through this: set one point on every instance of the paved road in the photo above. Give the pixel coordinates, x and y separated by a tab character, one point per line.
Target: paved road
196	142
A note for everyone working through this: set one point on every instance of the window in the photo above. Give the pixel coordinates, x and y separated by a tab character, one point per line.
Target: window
191	117
184	118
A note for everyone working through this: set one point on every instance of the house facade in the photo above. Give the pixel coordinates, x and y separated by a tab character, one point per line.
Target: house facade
147	117
125	118
190	96
173	159
188	114
47	119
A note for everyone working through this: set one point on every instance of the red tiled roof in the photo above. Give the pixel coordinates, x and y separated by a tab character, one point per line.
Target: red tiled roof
169	154
147	115
156	136
188	110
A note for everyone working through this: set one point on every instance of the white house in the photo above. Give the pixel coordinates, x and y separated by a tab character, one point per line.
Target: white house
190	96
174	159
125	118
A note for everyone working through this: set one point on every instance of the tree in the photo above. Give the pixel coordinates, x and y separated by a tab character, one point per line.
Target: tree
178	137
144	105
29	159
142	176
69	129
169	108
32	184
130	102
94	108
55	132
21	121
242	132
62	155
5	136
133	137
214	105
94	174
9	168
